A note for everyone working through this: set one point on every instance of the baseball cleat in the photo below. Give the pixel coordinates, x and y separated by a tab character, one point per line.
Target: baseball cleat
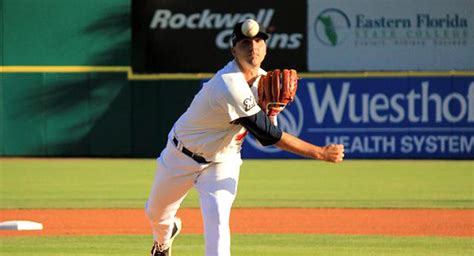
158	250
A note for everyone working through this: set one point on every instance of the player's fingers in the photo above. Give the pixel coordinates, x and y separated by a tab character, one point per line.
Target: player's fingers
337	147
334	153
337	154
340	147
340	158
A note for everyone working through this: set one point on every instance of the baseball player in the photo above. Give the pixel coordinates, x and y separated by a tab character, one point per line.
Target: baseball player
203	149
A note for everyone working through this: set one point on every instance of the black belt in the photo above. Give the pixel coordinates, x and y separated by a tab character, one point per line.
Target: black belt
187	152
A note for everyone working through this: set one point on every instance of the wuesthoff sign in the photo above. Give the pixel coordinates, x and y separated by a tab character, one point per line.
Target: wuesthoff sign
422	117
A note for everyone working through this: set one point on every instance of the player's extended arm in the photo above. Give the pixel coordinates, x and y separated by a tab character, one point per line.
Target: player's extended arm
331	153
267	134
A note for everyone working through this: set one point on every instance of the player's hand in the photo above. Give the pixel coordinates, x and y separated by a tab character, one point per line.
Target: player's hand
273	111
333	153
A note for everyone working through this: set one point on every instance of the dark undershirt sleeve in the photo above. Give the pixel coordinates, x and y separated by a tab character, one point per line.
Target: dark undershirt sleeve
261	128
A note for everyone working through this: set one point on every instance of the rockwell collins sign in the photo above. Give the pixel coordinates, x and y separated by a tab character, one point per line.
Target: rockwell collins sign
180	36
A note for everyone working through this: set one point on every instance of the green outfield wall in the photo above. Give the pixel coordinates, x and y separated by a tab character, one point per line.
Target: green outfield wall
88	114
65	32
74	113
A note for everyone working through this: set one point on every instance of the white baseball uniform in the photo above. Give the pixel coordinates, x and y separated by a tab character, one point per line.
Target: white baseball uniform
205	130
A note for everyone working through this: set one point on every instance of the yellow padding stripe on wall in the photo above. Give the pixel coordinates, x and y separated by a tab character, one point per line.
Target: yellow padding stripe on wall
62	69
198	76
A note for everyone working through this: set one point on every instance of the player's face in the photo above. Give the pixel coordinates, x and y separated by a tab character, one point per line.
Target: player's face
250	52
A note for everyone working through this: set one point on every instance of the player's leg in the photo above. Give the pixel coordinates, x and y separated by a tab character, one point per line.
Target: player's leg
217	187
174	177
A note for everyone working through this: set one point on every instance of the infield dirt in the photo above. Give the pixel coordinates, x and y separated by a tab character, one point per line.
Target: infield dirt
395	222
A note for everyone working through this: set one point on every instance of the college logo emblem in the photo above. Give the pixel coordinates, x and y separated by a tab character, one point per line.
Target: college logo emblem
332	27
249	103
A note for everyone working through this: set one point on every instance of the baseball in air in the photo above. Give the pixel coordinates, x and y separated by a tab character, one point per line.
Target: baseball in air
250	28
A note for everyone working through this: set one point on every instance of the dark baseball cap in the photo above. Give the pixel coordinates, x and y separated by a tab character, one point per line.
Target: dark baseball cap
237	34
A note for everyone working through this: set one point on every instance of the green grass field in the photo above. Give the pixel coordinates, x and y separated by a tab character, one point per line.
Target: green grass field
254	245
78	183
118	183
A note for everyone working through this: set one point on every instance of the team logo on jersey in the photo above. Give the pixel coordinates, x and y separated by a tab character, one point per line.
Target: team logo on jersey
249	103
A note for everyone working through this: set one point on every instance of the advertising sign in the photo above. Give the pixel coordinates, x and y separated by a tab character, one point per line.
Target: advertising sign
390	35
414	118
183	36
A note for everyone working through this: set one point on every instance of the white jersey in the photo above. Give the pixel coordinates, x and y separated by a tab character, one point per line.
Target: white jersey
206	127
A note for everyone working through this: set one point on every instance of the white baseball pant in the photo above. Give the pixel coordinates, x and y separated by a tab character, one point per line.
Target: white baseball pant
216	184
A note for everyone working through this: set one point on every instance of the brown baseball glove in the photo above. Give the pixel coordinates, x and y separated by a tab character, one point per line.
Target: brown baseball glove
276	89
